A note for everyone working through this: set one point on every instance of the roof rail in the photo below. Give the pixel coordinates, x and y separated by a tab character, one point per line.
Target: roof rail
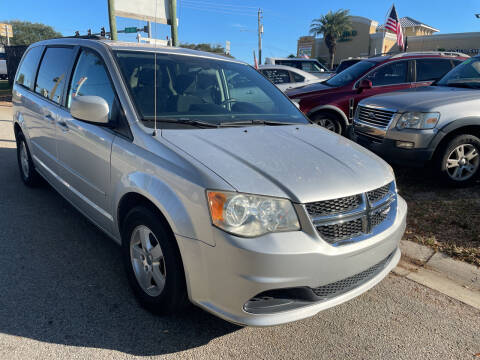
418	53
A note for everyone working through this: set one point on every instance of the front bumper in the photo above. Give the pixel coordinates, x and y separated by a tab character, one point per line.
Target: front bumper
223	278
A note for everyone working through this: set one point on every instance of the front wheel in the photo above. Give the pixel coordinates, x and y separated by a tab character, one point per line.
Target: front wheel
28	173
459	162
329	122
152	262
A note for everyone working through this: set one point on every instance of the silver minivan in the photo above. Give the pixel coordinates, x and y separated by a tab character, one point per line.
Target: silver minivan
216	186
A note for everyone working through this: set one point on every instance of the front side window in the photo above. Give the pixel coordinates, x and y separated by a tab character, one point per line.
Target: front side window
390	74
311	66
432	69
53	70
297	77
90	78
27	71
466	75
201	89
277	76
350	74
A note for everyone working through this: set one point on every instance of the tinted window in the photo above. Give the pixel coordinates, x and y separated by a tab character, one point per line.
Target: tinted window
3	56
390	74
345	64
90	78
277	76
350	74
202	89
27	71
292	63
310	66
432	69
467	75
51	75
297	77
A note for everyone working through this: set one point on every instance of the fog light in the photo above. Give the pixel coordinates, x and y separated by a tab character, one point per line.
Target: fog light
405	144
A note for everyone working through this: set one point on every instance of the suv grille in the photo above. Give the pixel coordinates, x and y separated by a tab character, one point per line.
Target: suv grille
349	219
342	286
376	117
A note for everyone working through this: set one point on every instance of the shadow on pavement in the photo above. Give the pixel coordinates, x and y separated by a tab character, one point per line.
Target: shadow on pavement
62	280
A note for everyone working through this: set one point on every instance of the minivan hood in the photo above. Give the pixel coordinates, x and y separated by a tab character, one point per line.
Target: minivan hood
428	98
304	163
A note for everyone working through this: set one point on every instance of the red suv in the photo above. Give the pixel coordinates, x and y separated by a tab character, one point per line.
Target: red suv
332	103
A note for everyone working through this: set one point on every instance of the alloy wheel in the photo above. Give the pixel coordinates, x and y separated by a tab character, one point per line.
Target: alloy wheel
24	159
328	124
463	162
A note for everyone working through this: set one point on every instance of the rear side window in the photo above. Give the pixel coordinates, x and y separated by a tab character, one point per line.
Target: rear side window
28	69
432	69
277	76
53	72
390	74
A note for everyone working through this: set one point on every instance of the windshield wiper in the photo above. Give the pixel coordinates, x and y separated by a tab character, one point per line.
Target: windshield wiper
465	84
255	122
195	123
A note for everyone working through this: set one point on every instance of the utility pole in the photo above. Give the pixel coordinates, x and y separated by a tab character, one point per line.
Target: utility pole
113	21
173	20
260	32
149	29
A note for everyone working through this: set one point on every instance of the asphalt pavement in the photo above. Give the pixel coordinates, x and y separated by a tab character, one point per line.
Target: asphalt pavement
64	295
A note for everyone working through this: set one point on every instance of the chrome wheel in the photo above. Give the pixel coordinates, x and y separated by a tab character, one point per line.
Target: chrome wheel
463	162
147	260
327	124
24	159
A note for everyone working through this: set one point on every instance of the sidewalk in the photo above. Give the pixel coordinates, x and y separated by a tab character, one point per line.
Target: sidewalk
438	271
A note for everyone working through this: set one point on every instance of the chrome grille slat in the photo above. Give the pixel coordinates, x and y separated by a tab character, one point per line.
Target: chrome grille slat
352	218
376	117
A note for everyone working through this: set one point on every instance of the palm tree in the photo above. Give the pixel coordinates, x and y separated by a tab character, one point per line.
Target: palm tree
331	26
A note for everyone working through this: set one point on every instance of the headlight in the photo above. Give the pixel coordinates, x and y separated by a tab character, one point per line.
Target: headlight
251	215
418	120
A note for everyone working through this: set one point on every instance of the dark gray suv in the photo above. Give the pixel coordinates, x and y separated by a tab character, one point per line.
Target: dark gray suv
439	125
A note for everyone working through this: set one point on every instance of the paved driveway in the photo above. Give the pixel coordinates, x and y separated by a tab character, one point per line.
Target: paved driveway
63	295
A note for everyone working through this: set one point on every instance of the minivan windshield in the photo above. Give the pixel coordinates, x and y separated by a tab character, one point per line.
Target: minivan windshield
467	75
202	91
350	74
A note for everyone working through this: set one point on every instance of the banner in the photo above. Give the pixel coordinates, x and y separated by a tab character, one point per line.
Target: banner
147	10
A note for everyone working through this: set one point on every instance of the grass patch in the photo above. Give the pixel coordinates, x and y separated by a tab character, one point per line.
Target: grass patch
445	219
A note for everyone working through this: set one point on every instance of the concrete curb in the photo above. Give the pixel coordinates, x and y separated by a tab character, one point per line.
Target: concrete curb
440	272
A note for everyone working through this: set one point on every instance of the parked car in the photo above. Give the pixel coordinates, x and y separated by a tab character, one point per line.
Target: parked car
206	186
346	63
332	103
439	124
312	66
287	77
3	66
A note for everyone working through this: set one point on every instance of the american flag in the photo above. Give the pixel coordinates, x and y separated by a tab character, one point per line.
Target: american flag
393	24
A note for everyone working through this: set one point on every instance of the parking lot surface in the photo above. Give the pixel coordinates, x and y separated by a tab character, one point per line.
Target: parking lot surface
64	296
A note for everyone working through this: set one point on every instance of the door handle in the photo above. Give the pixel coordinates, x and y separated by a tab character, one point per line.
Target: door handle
49	117
63	125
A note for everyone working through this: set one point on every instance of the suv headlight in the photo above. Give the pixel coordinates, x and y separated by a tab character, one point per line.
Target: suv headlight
251	215
418	120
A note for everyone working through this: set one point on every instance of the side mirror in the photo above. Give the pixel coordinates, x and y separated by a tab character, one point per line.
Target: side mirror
365	84
93	109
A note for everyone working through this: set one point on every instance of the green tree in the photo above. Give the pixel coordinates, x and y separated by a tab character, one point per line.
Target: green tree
26	33
216	49
331	26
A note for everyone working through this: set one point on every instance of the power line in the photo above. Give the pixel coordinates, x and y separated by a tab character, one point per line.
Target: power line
213	7
217	4
218	11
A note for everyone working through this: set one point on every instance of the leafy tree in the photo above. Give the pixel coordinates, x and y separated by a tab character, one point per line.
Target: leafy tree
332	26
216	49
291	56
26	33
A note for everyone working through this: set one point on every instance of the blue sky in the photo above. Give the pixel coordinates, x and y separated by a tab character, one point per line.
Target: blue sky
216	21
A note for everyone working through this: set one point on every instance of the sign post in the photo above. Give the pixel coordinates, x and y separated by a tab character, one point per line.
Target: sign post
112	20
6	31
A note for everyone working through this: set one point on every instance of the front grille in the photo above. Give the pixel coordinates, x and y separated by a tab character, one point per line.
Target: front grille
342	286
373	116
378	194
373	138
349	219
334	206
341	231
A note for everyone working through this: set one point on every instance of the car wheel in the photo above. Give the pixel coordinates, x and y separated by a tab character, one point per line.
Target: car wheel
329	122
153	263
460	160
29	175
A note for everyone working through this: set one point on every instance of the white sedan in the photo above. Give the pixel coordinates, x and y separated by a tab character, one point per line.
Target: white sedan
287	77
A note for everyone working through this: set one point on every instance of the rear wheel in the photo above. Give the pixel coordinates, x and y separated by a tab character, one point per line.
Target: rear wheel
152	262
459	161
28	174
329	122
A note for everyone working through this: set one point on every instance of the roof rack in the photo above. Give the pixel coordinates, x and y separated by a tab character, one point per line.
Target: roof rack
418	53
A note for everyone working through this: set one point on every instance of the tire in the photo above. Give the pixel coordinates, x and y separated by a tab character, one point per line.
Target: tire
148	243
459	161
28	174
330	122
